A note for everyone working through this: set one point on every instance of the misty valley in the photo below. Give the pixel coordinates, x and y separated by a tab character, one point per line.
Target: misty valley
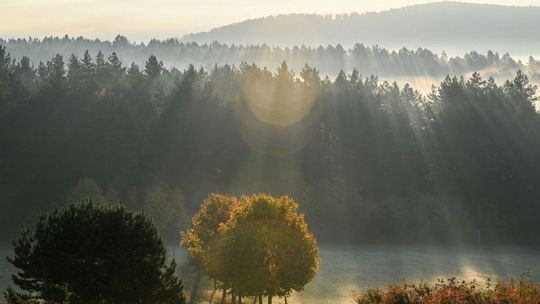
347	269
251	164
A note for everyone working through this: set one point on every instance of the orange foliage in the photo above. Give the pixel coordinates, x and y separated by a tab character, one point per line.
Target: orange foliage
454	292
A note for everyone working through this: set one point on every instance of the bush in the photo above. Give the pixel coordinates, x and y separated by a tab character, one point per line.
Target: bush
454	292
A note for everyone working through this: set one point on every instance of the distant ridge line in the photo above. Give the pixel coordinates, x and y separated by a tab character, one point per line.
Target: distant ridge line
438	26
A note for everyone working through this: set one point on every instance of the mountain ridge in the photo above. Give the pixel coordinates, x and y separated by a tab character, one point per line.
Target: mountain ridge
442	25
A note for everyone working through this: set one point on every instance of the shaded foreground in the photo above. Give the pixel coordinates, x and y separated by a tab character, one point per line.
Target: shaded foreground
454	291
346	268
88	253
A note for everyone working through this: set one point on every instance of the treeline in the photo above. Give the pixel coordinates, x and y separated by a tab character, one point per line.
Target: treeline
368	161
480	26
329	60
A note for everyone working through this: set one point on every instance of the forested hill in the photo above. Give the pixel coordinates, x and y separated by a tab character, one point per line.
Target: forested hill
329	60
450	26
369	161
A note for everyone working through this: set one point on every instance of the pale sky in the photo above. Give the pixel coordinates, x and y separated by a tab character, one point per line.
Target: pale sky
141	20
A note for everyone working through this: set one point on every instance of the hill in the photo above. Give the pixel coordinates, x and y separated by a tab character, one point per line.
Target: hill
452	26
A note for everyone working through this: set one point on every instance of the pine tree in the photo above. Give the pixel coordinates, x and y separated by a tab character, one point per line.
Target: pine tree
153	68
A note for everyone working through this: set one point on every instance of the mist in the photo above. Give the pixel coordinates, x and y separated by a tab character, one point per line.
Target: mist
297	155
380	152
418	65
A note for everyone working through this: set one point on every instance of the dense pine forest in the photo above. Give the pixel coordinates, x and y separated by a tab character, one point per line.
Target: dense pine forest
367	160
329	60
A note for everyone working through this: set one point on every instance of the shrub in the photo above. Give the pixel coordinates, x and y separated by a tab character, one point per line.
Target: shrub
452	291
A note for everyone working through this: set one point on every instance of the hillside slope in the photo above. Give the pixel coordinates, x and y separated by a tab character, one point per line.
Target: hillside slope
452	26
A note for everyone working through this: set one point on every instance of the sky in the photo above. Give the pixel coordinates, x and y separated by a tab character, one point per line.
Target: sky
141	20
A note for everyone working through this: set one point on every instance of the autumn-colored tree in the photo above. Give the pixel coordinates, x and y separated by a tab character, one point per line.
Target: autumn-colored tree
199	240
266	248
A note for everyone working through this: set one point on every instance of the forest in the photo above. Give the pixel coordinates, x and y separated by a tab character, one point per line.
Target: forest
269	152
367	160
329	60
452	26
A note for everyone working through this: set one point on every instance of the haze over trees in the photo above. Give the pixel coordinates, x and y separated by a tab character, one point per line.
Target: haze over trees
371	160
409	140
455	27
329	59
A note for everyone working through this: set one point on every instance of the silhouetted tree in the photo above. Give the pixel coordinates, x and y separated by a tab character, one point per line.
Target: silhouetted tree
91	253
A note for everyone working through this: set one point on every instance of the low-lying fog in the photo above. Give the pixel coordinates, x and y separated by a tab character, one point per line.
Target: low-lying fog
349	268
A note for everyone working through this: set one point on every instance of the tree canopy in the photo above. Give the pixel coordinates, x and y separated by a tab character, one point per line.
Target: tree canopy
261	247
371	160
329	59
215	211
93	253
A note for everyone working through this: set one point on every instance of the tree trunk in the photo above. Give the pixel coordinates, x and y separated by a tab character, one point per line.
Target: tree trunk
269	299
195	289
213	293
223	295
239	299
260	299
233	297
285	299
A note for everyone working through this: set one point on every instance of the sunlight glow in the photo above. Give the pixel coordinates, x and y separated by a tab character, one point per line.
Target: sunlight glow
289	115
145	19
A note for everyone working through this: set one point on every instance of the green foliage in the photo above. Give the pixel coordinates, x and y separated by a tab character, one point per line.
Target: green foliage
171	289
268	248
199	240
167	207
258	246
360	143
328	59
92	253
153	68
